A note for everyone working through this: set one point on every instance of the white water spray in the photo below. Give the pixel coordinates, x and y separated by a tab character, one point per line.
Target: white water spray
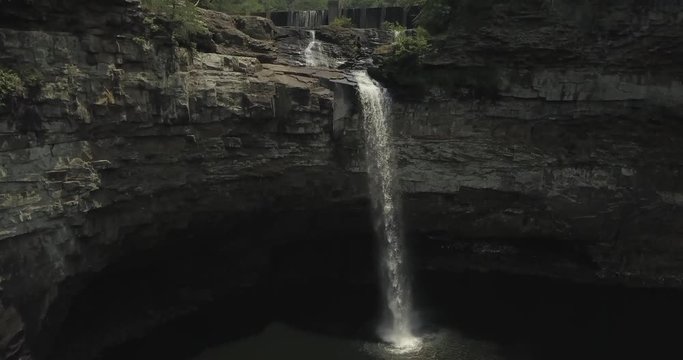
314	54
384	192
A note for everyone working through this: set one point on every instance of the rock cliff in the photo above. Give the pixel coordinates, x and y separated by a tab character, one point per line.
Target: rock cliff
566	165
548	131
129	137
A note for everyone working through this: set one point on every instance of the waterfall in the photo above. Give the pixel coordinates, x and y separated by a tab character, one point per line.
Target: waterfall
307	18
385	196
314	54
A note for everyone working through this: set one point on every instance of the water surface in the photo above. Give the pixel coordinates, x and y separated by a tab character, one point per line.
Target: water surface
279	341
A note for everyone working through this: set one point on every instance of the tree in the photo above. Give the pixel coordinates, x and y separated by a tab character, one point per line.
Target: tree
181	14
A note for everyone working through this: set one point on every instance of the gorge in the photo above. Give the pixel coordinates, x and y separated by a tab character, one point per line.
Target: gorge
158	200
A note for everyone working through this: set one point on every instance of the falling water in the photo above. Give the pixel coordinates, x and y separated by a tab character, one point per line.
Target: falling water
381	163
314	53
307	18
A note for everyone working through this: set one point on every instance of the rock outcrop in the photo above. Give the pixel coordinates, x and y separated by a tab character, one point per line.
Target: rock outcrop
129	137
566	165
548	133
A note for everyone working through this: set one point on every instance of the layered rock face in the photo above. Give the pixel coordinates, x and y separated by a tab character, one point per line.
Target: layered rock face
561	159
557	141
130	138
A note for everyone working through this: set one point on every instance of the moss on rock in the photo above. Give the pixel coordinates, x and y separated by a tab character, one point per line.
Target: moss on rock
10	85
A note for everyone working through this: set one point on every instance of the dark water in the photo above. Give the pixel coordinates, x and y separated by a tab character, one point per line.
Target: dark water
464	316
280	341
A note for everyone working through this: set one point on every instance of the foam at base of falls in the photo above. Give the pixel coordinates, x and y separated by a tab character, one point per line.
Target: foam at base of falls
402	342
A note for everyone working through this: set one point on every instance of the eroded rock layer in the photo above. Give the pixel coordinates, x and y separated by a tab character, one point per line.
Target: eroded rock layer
551	149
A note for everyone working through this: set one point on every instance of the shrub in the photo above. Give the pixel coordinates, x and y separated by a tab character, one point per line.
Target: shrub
146	46
182	16
10	85
409	46
343	22
393	26
151	24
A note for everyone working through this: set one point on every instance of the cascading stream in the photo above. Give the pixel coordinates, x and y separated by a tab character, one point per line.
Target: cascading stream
384	192
381	163
314	54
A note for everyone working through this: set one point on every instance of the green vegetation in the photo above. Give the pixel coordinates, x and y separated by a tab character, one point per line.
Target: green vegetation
145	44
412	44
10	85
409	47
181	15
149	22
342	22
402	63
402	69
393	26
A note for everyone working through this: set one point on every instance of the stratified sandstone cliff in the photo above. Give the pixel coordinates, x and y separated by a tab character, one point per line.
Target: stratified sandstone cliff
129	137
549	132
554	149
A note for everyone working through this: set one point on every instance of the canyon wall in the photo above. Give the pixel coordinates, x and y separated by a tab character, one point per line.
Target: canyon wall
553	126
546	147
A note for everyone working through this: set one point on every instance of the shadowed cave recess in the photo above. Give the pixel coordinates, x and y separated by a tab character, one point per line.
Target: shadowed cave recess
215	196
316	272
